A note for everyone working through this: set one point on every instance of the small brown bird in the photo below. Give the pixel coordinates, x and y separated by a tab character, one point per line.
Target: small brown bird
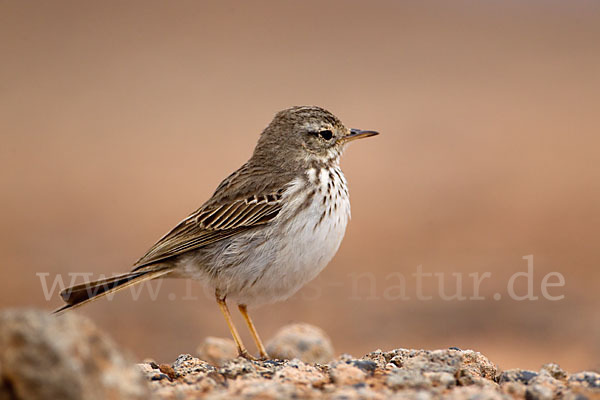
269	228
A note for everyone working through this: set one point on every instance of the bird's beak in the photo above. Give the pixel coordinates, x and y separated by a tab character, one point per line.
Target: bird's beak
357	134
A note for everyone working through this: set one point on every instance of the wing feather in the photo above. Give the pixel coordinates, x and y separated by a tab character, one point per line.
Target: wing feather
227	216
212	223
236	219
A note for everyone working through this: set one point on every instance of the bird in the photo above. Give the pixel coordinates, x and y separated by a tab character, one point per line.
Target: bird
269	228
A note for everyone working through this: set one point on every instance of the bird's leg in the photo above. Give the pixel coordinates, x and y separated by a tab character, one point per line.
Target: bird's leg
261	348
242	352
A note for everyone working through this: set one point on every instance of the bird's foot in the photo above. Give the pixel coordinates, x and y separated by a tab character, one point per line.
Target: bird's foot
244	353
264	357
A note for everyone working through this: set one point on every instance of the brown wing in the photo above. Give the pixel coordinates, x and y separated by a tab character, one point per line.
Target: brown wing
214	222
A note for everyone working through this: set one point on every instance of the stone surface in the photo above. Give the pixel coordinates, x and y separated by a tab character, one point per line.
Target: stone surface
396	374
217	351
586	380
62	357
302	341
44	357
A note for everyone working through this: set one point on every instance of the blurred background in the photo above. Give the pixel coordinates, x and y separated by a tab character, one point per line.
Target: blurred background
118	119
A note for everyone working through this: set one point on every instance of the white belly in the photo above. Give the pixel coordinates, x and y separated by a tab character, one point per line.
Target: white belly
301	241
316	236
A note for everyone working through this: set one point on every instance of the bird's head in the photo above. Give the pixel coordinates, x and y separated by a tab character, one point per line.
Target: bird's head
304	134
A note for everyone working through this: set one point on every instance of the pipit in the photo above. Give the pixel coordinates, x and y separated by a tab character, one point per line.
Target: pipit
269	228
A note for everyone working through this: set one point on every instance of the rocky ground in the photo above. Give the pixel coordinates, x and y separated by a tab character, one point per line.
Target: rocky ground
396	374
44	357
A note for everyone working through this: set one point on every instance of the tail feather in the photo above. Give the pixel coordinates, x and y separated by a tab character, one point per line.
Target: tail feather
78	295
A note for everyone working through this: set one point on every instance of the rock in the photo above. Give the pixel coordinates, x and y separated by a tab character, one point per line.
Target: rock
302	341
467	366
62	357
475	368
188	367
396	374
366	365
547	384
299	373
152	373
474	393
517	375
167	370
544	385
514	389
346	374
421	375
403	379
538	392
217	351
43	357
585	379
554	370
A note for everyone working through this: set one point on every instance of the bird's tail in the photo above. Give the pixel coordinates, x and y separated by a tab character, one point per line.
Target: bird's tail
78	295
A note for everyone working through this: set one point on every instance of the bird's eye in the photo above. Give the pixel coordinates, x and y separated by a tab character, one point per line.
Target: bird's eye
326	134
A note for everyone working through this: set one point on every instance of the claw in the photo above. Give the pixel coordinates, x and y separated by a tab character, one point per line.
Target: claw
247	356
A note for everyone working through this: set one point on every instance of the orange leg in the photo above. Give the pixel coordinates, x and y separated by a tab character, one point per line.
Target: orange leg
236	336
259	345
